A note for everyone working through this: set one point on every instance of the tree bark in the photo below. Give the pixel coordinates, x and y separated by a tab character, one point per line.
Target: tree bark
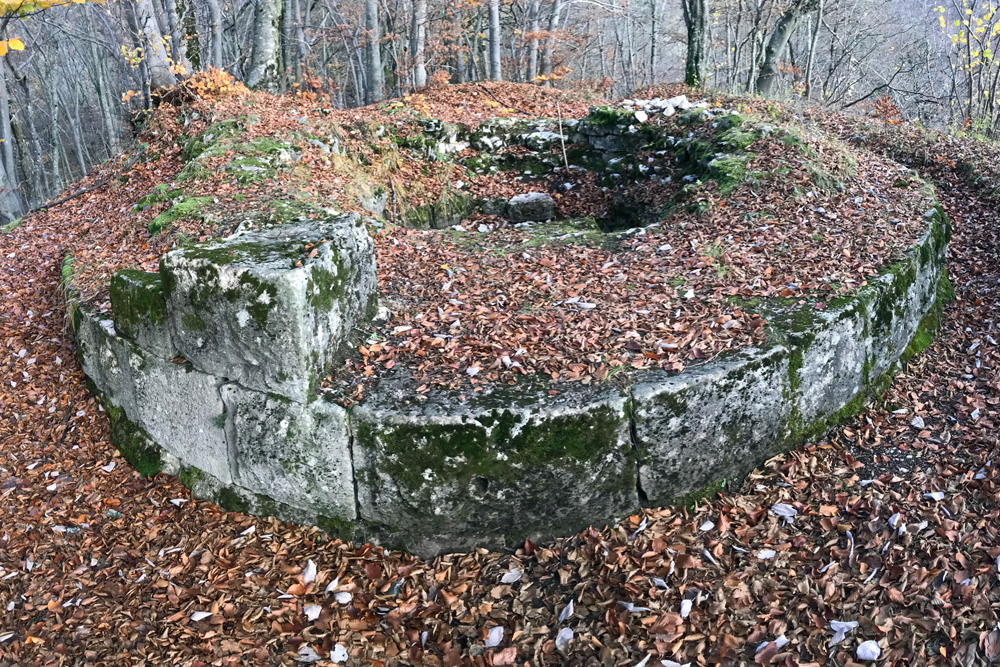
178	37
534	27
153	45
11	205
375	88
213	55
812	49
550	40
419	42
695	20
265	60
776	44
495	39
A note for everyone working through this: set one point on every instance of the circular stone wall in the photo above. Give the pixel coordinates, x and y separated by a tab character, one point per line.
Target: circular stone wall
207	370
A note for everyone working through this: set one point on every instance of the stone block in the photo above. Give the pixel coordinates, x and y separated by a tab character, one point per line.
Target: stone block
708	423
532	206
295	454
272	309
140	311
443	473
181	410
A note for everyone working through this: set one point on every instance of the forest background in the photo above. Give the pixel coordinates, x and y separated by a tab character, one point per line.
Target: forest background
76	76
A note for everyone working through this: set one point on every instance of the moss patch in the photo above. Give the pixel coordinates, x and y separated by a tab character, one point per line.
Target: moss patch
135	445
136	300
184	207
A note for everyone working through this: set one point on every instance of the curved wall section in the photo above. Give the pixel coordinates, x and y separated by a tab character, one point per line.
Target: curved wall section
236	417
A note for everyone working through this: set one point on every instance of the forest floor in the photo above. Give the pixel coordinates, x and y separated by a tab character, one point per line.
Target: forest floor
891	523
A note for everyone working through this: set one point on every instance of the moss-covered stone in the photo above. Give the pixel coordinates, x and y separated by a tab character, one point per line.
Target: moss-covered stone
133	443
182	208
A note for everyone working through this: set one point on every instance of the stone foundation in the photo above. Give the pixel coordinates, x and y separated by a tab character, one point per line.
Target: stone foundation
207	372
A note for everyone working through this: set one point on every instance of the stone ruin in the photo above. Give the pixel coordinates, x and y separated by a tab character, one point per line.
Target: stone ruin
209	368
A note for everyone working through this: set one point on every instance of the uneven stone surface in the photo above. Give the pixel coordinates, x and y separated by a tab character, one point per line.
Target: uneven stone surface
271	309
442	473
532	206
292	453
140	311
709	423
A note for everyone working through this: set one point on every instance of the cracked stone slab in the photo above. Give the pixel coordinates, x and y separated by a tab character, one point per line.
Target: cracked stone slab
708	423
444	473
272	309
532	206
177	406
296	454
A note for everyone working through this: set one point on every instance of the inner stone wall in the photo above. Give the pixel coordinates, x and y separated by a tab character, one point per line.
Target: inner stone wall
208	371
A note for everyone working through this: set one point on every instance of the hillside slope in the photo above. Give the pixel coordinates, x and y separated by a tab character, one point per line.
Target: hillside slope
102	566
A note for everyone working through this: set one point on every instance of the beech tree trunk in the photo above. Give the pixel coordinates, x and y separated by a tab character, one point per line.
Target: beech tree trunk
265	60
812	49
419	40
153	45
786	27
533	28
495	39
550	40
213	54
375	88
696	22
11	205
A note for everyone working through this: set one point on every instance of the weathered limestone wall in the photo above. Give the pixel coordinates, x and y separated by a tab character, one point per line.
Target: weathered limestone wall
257	316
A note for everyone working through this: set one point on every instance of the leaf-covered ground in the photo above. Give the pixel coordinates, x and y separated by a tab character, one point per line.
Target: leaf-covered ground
490	302
891	523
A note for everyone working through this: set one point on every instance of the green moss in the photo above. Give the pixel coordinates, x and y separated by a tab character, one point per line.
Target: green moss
251	289
160	194
189	476
708	494
339	528
193	322
135	445
231	501
66	271
10	226
224	129
324	289
184	207
610	116
136	300
945	291
923	337
728	172
497	446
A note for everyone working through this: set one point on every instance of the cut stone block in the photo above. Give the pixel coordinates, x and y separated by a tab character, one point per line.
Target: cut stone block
708	423
110	361
271	310
178	407
445	474
140	311
295	454
533	206
181	409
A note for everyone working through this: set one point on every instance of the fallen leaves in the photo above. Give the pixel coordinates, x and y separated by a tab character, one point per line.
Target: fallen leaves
867	559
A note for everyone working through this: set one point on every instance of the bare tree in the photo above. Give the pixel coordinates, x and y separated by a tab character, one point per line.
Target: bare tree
787	25
551	39
375	89
265	60
419	43
494	41
696	22
214	52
